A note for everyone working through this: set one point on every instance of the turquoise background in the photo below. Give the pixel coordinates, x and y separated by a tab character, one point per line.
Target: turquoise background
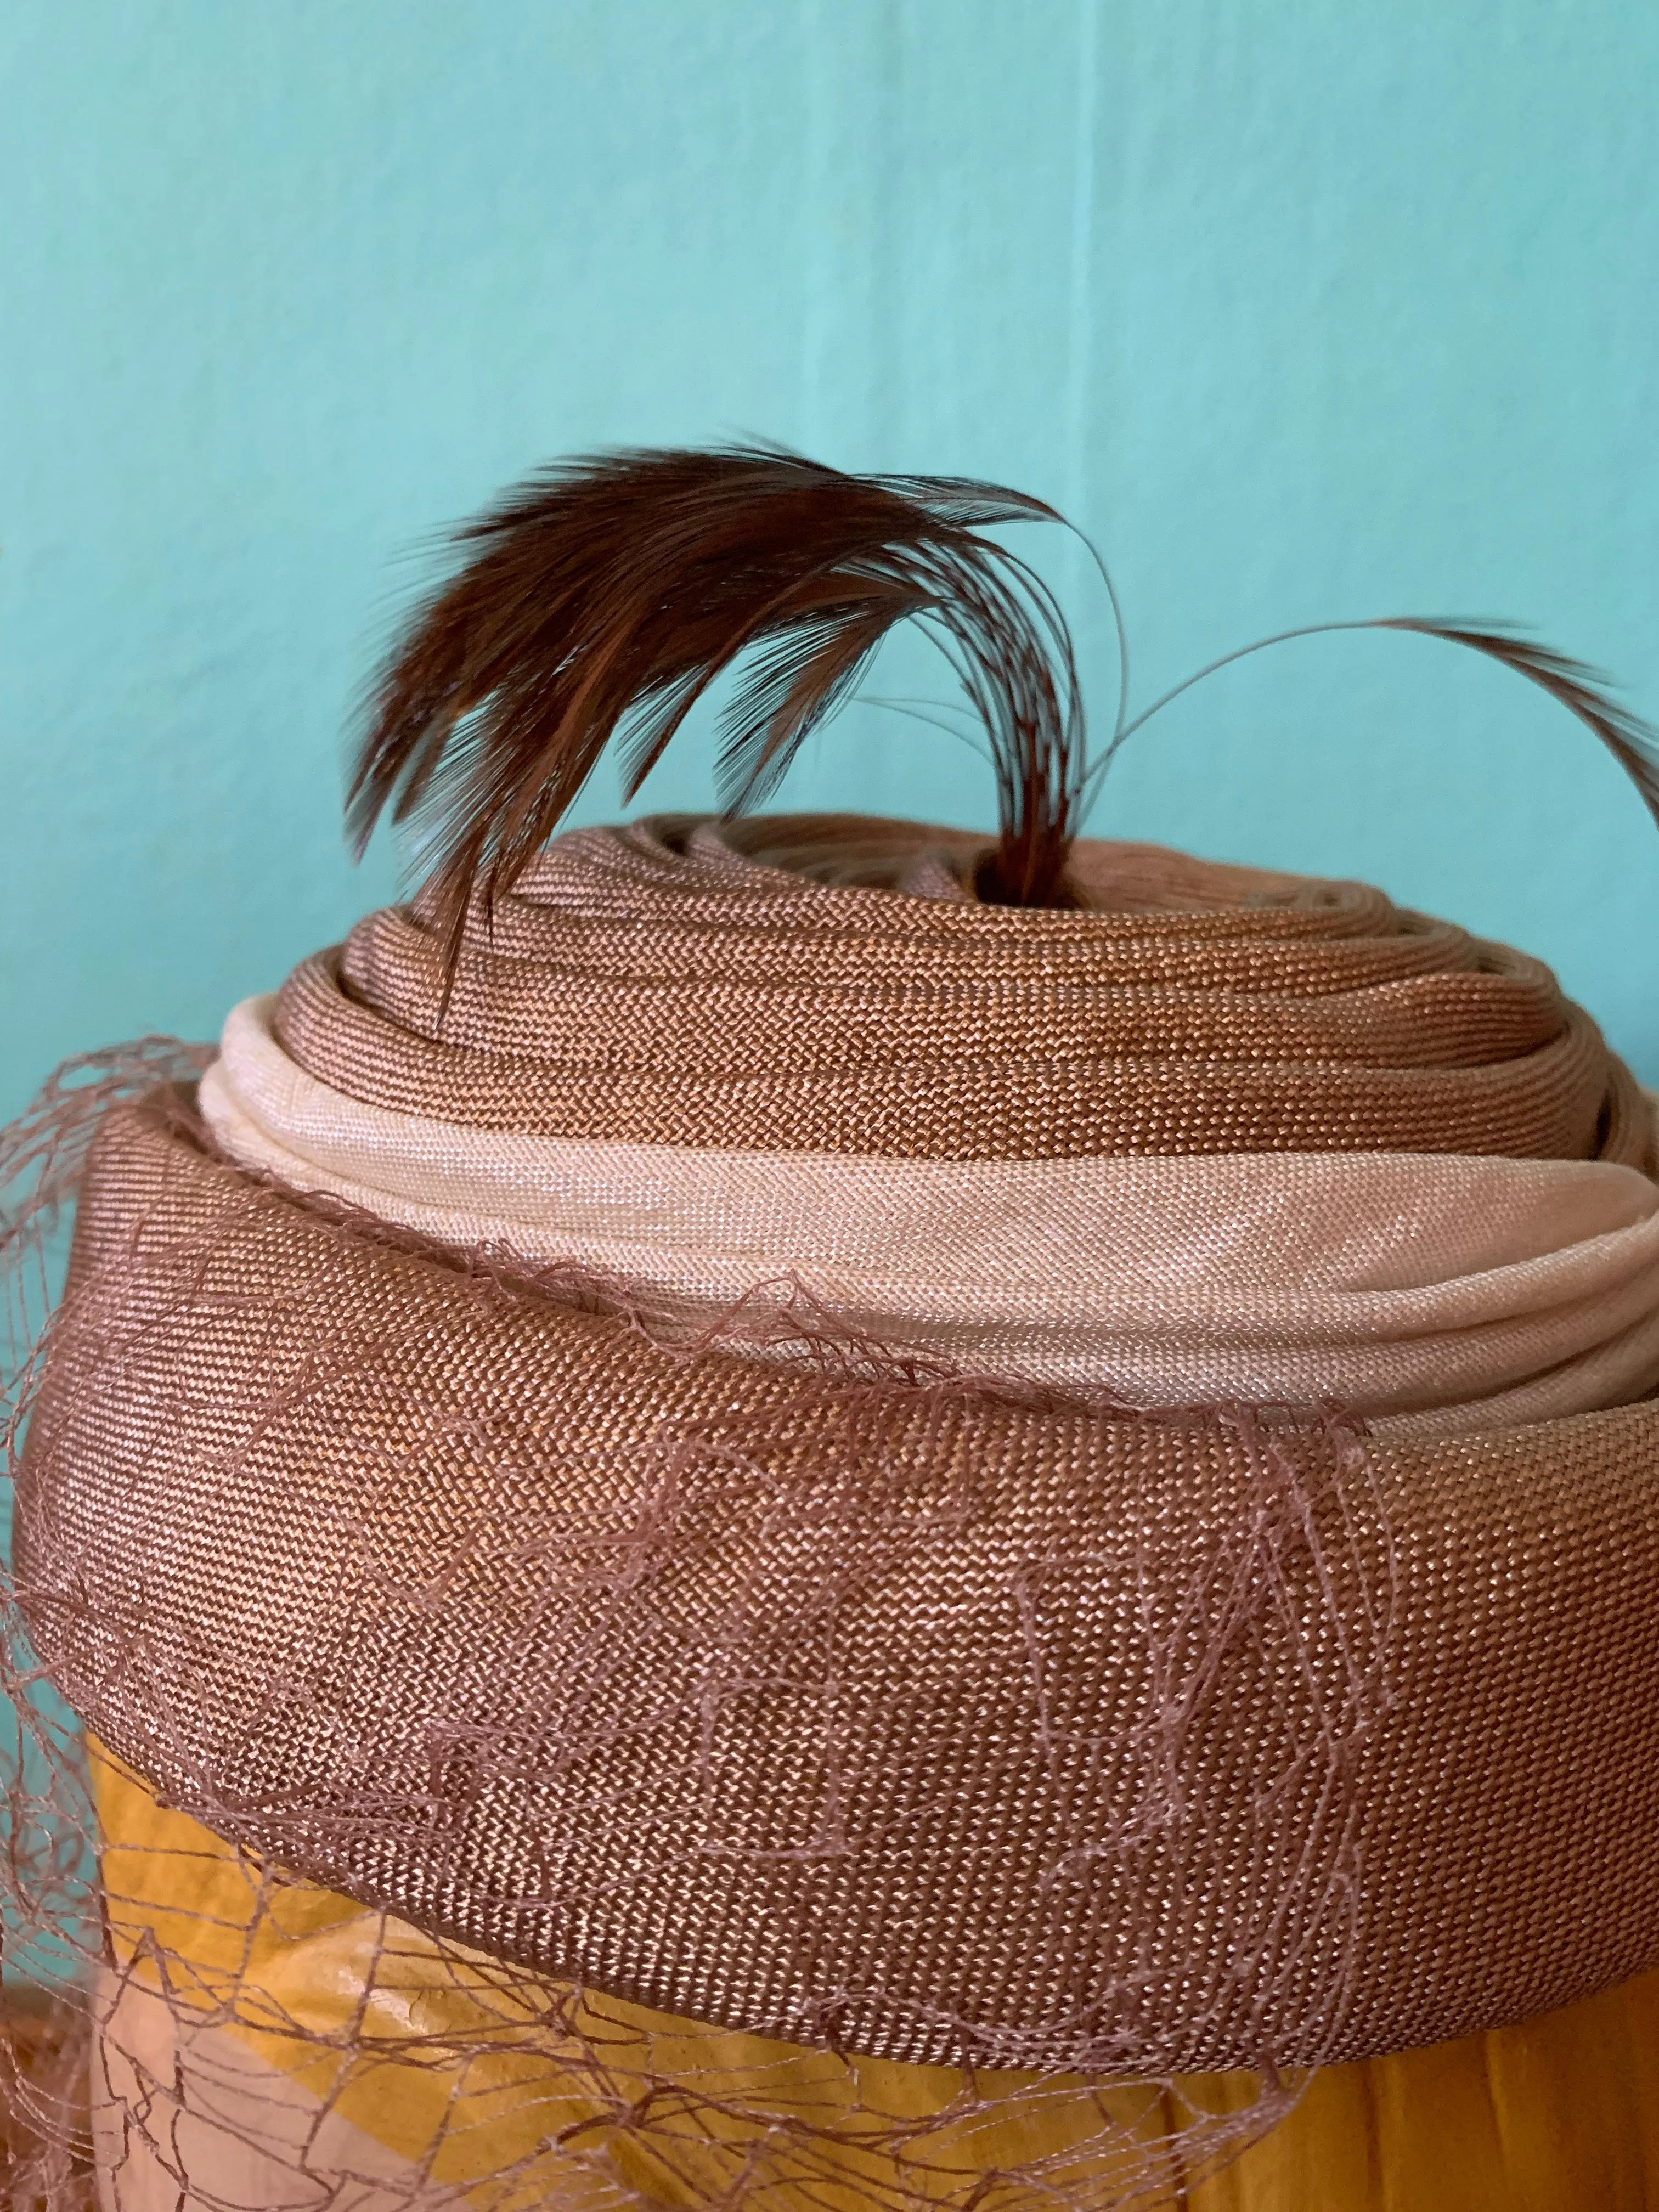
1305	307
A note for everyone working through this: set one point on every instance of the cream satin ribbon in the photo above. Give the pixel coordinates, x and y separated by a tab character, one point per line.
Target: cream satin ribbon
1428	1292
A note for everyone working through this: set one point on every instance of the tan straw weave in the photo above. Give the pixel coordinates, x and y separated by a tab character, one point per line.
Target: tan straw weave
926	1717
656	985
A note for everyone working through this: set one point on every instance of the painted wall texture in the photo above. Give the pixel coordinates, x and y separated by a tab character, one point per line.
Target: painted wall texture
1303	307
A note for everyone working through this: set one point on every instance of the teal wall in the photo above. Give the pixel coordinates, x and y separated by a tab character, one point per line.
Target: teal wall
1306	307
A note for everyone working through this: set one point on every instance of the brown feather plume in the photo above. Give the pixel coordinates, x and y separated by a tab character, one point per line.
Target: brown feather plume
604	596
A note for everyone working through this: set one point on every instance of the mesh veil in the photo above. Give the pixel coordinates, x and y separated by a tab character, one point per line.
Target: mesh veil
727	1759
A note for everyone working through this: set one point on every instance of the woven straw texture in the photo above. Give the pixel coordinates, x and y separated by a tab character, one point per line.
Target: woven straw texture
909	1713
656	985
1428	1292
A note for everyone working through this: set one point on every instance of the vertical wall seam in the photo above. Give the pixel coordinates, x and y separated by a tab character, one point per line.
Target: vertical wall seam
887	424
814	215
1079	334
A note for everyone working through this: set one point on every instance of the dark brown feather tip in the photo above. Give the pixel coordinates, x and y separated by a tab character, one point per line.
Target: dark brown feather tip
604	597
1582	691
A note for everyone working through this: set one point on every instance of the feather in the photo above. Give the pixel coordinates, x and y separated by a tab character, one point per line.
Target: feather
1633	743
603	597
